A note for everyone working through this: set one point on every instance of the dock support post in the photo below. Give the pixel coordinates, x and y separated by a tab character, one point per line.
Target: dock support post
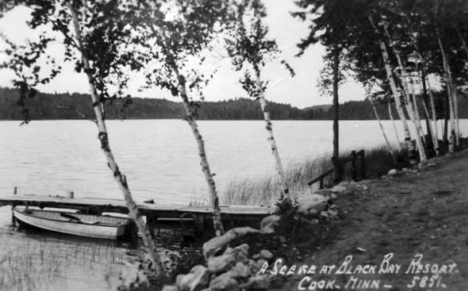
363	157
71	195
151	223
13	219
353	165
15	191
199	224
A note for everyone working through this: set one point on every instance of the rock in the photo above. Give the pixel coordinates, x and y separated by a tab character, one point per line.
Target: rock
258	282
324	214
196	280
228	250
224	282
260	263
338	189
253	266
392	173
169	288
241	270
240	253
405	170
215	245
221	263
244	249
314	201
266	254
269	223
333	213
323	192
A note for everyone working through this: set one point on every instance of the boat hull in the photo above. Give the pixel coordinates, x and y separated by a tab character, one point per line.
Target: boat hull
102	227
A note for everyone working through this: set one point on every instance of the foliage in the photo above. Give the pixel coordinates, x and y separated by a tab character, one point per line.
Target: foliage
76	106
249	47
285	205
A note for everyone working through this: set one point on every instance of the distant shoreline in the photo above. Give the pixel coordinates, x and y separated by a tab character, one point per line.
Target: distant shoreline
75	106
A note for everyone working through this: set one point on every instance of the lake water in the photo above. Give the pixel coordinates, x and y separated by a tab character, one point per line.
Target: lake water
161	162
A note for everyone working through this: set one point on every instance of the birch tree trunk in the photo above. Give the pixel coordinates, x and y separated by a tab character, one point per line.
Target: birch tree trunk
414	101
214	199
410	107
396	95
336	105
434	119
271	137
376	114
390	113
451	92
431	131
435	142
105	146
411	112
465	47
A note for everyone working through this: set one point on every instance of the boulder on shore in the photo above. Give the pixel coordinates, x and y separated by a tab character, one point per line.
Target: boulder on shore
217	244
269	224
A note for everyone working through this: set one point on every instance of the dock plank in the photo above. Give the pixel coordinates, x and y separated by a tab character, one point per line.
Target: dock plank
120	206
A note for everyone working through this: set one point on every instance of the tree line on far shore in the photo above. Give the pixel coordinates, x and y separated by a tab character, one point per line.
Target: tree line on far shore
75	106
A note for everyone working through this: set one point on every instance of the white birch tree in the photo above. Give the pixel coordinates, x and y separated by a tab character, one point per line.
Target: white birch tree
181	32
250	49
95	37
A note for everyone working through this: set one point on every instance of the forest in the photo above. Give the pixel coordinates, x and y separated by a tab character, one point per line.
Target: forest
75	106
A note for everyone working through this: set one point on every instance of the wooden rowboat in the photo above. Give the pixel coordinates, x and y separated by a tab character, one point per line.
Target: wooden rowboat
94	226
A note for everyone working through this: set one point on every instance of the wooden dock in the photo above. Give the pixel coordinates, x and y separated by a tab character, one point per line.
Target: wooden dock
154	213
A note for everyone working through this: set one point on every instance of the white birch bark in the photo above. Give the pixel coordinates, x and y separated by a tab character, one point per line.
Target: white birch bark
104	139
411	112
434	119
435	140
271	137
451	92
390	114
415	102
376	114
409	102
214	199
396	94
460	36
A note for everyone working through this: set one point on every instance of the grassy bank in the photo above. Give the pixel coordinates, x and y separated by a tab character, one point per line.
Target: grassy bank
247	191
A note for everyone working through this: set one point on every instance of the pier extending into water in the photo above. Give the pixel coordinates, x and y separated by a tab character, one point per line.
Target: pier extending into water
157	216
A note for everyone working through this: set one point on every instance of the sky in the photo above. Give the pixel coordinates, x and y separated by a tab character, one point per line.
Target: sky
300	91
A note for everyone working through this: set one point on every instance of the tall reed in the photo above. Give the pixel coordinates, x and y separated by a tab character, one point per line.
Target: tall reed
248	191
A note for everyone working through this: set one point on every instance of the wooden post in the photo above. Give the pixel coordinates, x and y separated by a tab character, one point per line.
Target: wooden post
338	170
71	195
13	219
353	164
152	223
15	191
321	183
363	161
199	224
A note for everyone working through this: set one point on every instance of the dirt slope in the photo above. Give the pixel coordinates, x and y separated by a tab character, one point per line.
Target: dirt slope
418	213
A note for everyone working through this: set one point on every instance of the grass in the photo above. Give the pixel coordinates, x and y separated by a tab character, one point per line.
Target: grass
266	191
34	264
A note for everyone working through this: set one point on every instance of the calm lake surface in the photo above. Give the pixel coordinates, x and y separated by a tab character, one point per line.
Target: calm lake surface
161	162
